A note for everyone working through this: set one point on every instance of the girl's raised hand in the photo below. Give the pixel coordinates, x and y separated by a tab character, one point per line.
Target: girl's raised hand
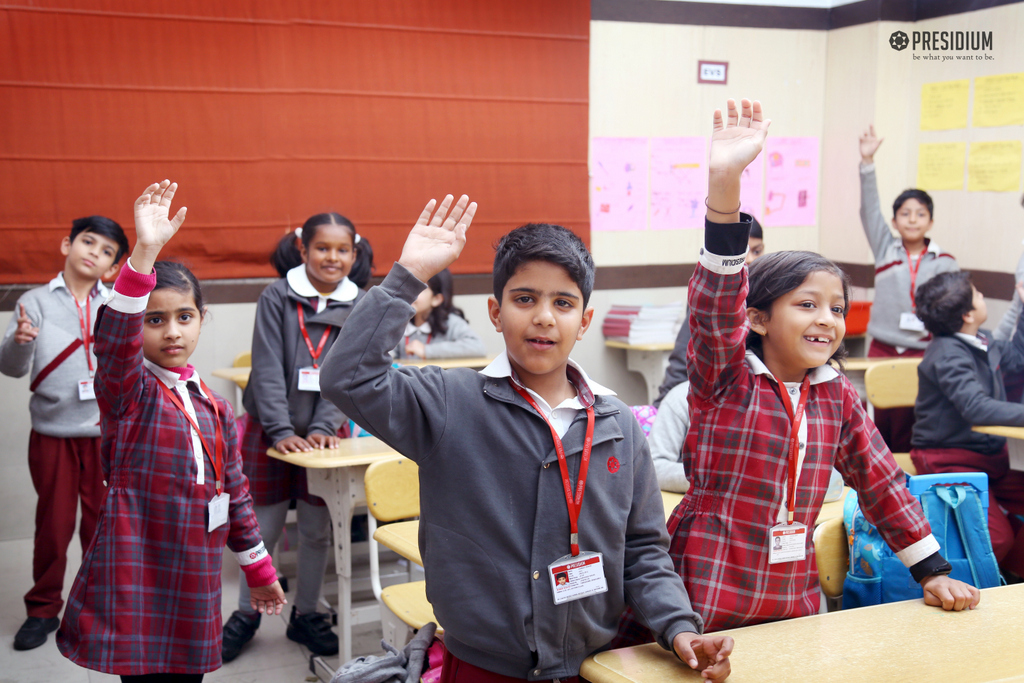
869	144
736	141
153	228
436	241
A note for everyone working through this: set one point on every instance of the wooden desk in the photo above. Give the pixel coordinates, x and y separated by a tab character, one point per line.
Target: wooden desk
240	376
647	359
900	641
402	538
447	363
828	510
1014	442
336	475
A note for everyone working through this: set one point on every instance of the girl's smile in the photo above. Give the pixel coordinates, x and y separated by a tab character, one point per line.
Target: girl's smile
329	257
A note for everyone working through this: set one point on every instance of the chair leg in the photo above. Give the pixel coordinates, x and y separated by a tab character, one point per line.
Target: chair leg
396	631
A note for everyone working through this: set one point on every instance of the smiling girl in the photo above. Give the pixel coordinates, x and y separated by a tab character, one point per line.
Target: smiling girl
297	320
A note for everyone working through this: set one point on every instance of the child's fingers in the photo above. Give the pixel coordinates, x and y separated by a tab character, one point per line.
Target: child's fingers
467	218
732	113
168	194
425	214
457	211
442	211
179	218
716	121
757	113
146	195
23	316
746	113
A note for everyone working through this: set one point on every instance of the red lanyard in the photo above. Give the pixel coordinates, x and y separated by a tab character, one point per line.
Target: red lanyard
429	337
794	436
218	461
914	265
83	322
309	343
574	505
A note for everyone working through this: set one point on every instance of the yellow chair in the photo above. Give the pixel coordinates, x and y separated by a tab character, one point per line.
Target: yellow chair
893	384
392	494
243	360
832	552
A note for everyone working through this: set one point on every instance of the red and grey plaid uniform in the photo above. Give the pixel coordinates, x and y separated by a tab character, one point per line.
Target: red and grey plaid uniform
271	480
736	455
147	598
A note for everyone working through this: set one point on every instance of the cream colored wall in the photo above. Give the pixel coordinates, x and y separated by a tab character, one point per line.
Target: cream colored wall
868	81
643	82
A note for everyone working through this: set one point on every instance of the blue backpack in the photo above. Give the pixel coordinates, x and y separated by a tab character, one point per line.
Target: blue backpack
956	507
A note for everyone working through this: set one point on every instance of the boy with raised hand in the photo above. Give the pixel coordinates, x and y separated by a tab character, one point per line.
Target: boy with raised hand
51	335
528	469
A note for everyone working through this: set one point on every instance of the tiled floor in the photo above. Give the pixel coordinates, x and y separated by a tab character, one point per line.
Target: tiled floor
270	657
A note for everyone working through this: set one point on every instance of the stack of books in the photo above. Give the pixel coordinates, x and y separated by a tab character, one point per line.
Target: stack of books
644	324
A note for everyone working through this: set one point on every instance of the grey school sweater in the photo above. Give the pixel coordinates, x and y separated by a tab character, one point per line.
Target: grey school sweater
493	514
892	269
55	407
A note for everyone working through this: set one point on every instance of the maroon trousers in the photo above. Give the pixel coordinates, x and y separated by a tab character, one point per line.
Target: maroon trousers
63	471
894	424
1005	491
454	670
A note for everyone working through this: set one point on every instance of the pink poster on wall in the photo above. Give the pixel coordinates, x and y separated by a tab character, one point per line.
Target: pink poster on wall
679	180
791	181
618	184
752	188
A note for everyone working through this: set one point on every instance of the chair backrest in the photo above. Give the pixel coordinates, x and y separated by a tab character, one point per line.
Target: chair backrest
832	553
892	384
393	489
243	360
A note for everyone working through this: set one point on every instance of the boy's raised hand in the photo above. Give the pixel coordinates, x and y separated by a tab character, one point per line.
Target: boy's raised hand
737	141
707	654
26	331
153	227
869	144
436	241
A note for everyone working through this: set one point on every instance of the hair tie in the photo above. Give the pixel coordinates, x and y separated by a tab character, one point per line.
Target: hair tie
358	238
298	233
724	213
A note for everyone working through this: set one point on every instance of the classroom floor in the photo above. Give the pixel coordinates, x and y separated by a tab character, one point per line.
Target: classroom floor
270	657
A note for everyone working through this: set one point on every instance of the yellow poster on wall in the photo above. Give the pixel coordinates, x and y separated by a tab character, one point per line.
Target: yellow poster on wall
999	100
940	166
994	166
944	105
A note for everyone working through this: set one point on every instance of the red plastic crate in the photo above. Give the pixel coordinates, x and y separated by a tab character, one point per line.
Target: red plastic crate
858	317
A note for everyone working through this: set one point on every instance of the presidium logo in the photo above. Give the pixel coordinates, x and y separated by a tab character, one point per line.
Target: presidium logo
974	42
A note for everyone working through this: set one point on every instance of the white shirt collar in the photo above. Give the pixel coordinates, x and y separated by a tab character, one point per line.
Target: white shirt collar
501	367
412	328
100	288
299	282
824	373
170	378
973	340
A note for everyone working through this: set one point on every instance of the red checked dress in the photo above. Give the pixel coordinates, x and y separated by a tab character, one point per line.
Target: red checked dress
147	598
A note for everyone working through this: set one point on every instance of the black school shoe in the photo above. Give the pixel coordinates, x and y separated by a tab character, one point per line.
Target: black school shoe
238	631
313	631
33	632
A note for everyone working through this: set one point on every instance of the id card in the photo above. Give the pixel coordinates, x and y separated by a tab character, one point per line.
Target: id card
219	511
309	379
577	577
86	390
787	543
910	322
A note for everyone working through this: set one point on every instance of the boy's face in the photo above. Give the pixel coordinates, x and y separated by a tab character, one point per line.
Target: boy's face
755	249
912	221
90	256
978	314
541	316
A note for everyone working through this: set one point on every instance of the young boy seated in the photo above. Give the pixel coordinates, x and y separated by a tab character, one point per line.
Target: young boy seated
960	385
509	458
50	335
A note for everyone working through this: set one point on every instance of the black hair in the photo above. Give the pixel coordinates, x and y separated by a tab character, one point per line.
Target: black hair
362	268
176	276
104	227
287	255
755	229
943	301
919	195
543	242
443	284
775	275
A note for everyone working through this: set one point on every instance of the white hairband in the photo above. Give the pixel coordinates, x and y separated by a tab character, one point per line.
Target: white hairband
358	238
298	233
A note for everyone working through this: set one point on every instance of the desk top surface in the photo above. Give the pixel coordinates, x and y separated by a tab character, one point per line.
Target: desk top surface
239	376
902	641
612	344
448	363
1008	432
862	364
363	450
828	510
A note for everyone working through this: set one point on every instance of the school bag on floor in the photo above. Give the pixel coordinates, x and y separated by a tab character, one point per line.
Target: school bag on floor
956	506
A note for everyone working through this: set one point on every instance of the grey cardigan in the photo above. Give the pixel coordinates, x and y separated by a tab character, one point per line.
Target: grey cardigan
892	270
278	351
493	511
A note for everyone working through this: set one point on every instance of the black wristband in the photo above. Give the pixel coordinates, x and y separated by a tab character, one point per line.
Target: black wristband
933	565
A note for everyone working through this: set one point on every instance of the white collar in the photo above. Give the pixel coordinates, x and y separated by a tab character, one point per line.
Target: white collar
973	340
300	284
824	373
171	379
501	367
100	288
412	328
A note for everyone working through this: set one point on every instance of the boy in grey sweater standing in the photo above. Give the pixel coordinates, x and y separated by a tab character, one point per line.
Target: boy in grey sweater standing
50	336
523	589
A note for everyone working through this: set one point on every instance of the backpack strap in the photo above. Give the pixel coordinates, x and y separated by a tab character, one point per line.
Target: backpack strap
53	364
